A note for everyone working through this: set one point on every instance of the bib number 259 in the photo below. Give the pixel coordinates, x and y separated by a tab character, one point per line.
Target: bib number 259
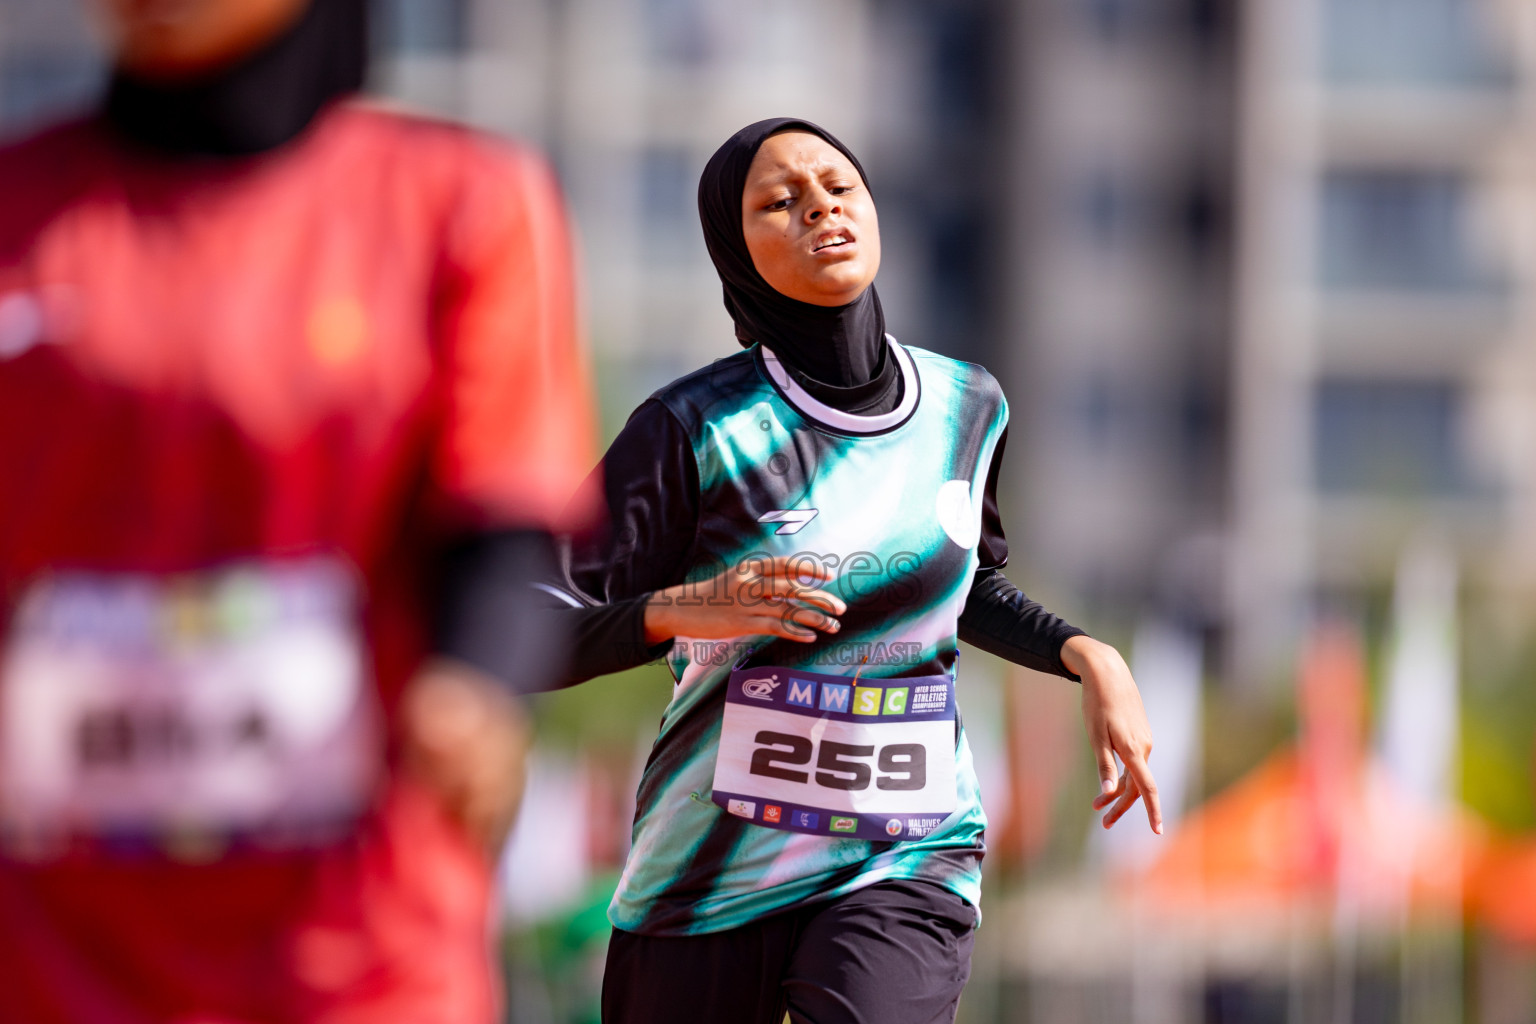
840	765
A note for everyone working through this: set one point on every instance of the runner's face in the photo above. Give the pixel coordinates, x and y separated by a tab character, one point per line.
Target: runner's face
173	38
809	221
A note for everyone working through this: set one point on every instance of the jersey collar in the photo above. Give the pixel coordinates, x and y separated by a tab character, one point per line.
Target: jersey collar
835	419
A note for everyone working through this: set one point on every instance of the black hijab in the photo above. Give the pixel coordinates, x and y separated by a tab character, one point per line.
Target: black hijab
838	353
255	104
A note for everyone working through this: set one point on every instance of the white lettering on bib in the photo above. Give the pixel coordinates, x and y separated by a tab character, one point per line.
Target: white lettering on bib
816	753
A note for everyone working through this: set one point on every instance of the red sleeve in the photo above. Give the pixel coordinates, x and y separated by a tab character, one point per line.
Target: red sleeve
519	432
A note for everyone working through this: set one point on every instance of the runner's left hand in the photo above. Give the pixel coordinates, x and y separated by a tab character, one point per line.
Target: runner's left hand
1117	725
466	737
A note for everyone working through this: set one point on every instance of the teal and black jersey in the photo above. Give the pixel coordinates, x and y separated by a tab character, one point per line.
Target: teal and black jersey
893	505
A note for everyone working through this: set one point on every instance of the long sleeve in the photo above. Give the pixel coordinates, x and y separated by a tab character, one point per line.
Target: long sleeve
1001	620
517	421
998	617
490	616
650	486
592	591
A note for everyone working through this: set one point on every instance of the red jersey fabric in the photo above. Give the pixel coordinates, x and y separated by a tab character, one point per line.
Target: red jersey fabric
350	346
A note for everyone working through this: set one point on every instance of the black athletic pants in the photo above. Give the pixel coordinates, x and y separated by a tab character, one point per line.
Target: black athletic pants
893	953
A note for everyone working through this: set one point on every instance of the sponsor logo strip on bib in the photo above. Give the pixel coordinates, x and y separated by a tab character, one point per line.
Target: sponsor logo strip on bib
835	756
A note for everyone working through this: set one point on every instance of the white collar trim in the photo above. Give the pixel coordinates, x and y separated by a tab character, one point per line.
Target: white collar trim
848	422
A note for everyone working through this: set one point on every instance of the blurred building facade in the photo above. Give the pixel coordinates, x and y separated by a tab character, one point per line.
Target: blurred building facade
1120	310
50	62
632	96
1383	359
1270	317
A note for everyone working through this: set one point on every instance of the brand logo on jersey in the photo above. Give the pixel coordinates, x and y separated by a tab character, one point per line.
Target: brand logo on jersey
845	824
741	808
790	520
773	813
894	827
922	826
807	819
957	513
760	689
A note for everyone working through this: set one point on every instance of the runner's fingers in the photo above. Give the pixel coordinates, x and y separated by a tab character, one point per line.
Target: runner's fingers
793	576
1109	772
1148	787
822	599
773	625
794	569
813	617
1104	799
1127	797
782	590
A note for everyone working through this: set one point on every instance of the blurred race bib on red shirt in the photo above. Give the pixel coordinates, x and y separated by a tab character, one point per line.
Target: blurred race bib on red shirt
233	702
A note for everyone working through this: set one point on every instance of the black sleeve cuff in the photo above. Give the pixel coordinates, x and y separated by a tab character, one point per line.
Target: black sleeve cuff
490	616
608	638
999	619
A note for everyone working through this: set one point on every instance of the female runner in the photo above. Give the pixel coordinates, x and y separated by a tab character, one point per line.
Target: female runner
809	525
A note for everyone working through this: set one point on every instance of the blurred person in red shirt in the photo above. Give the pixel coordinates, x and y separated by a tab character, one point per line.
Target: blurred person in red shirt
290	400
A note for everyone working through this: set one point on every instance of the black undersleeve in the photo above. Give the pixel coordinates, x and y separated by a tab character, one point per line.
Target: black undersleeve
490	616
1000	620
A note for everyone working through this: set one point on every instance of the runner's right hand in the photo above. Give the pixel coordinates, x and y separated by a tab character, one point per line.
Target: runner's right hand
759	597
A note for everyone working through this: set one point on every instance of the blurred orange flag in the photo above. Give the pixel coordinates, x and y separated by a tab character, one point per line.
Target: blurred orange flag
1317	812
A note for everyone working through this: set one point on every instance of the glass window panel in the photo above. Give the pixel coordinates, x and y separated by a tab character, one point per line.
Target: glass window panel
1388	437
1427	41
37	86
1398	230
675	31
423	26
668	219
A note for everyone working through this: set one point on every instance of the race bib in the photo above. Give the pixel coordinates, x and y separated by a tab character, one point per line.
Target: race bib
820	754
229	702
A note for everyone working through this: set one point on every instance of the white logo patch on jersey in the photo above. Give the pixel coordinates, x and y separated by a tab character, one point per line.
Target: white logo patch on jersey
790	520
957	513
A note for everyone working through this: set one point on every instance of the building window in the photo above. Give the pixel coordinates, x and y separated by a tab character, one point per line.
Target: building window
1425	41
423	26
1106	207
1098	411
37	86
1112	20
1398	230
1389	438
675	32
668	219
